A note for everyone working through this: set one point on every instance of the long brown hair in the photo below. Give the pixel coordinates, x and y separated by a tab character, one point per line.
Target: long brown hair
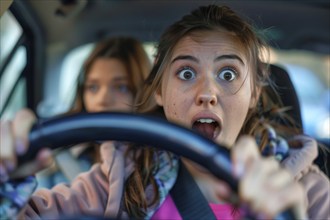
206	18
127	50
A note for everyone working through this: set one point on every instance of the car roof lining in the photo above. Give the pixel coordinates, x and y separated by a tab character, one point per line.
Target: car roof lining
105	18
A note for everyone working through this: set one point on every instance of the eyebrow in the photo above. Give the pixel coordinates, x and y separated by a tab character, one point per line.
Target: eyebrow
229	57
185	57
219	58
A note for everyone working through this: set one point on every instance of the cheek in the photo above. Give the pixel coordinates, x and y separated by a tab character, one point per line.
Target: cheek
124	105
238	111
172	109
172	105
121	102
88	102
126	99
235	111
239	103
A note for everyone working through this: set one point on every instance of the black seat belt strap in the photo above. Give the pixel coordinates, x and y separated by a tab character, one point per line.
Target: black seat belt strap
188	198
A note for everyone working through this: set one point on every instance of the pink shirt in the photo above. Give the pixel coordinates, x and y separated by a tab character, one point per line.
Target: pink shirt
168	211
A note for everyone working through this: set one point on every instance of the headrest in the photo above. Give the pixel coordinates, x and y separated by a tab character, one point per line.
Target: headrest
287	92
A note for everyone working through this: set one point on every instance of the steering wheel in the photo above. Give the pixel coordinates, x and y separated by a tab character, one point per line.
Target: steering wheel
154	131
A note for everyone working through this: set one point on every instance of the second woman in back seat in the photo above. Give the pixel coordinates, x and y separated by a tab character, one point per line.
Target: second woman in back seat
109	80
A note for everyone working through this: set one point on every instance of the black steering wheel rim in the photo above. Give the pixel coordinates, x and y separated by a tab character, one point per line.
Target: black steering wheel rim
72	129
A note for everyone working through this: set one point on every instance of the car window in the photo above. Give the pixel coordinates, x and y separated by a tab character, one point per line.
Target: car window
13	59
10	31
309	73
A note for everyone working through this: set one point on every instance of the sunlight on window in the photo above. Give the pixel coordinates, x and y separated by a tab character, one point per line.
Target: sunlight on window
70	71
151	50
11	74
10	31
309	73
17	102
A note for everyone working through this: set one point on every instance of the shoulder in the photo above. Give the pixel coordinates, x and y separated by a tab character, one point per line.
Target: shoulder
314	179
317	188
301	159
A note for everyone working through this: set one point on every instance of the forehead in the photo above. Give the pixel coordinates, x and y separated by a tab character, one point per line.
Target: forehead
212	43
107	67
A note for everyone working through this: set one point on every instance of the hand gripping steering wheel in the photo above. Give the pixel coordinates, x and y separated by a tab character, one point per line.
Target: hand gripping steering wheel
154	131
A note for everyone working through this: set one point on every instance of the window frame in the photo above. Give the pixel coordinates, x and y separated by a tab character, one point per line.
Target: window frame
33	39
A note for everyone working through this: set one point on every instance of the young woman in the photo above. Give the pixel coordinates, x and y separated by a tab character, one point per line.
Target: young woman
208	77
109	80
111	76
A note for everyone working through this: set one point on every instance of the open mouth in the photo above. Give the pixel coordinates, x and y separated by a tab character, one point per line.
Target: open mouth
207	127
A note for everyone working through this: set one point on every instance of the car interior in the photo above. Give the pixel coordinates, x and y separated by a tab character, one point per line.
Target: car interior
44	42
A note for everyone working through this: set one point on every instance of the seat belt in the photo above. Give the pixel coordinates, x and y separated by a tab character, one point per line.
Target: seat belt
68	164
188	198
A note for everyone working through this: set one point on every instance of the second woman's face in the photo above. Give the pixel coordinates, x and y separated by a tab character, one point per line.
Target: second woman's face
107	87
207	86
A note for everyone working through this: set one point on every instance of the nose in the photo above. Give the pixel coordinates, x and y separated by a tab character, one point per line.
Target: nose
207	93
105	97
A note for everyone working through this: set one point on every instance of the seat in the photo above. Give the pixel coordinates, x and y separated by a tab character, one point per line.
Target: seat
287	93
289	98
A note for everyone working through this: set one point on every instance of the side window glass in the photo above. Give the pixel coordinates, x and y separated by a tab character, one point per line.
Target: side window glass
10	32
9	81
71	68
309	73
13	60
18	100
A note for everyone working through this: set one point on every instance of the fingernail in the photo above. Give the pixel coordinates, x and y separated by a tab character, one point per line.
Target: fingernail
239	169
44	154
20	148
9	165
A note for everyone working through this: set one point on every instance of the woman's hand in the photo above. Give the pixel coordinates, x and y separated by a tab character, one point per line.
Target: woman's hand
264	185
14	141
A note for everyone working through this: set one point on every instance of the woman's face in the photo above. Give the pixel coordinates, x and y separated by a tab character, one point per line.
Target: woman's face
107	87
207	86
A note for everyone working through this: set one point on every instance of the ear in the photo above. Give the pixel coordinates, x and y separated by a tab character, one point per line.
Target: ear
255	97
158	97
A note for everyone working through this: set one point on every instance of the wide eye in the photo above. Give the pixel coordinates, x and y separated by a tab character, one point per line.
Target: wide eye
186	74
227	74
